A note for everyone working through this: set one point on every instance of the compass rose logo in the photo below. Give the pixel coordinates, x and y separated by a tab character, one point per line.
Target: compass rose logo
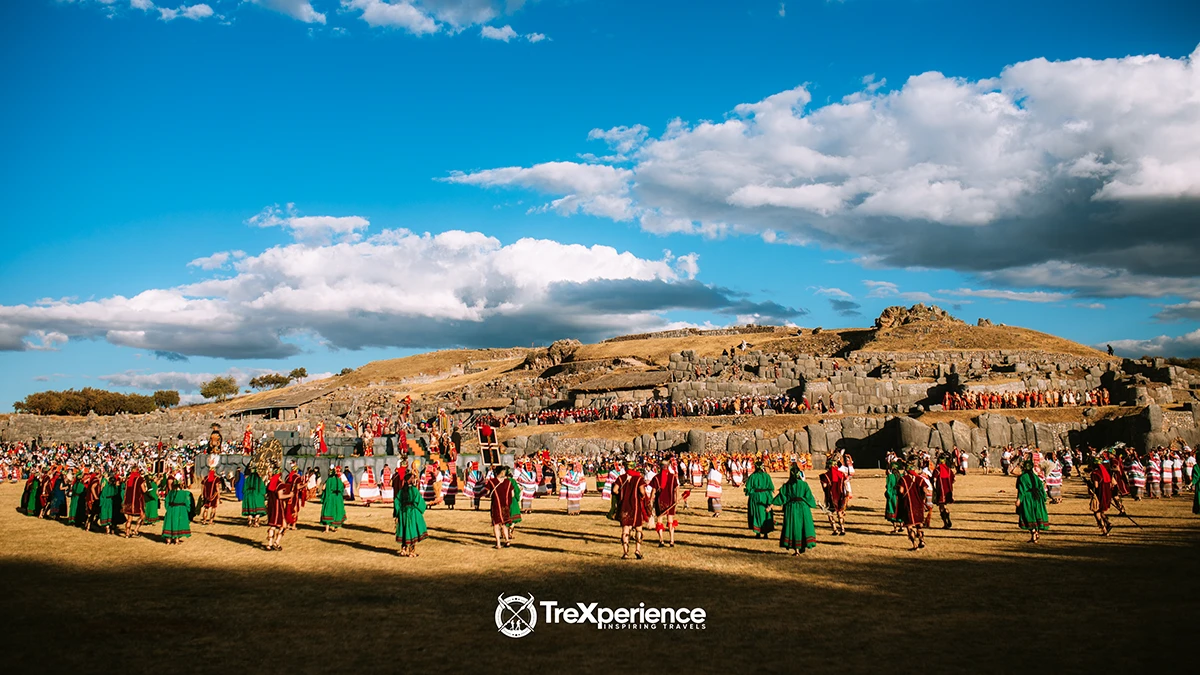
515	615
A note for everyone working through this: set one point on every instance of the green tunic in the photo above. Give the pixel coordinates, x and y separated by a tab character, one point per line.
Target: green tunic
797	501
1031	509
515	509
333	504
77	491
31	505
254	496
759	489
177	524
108	496
891	497
1196	489
410	525
152	502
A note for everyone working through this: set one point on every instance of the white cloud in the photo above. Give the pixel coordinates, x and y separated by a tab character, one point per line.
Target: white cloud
503	34
887	289
1184	346
310	229
833	292
395	288
301	10
688	265
193	12
1090	305
782	9
1018	296
424	17
144	5
596	189
1049	163
211	262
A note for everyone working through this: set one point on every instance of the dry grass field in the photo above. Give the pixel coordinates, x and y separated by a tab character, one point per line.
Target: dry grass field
978	599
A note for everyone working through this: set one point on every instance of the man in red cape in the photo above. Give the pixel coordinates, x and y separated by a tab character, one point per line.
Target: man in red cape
296	486
278	498
1100	484
134	506
833	482
943	490
633	509
210	495
500	488
912	506
666	495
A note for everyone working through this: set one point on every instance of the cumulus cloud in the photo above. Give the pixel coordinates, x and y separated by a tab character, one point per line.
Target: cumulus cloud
193	12
424	17
395	288
595	189
301	10
1050	164
216	260
503	34
1184	346
314	229
1186	311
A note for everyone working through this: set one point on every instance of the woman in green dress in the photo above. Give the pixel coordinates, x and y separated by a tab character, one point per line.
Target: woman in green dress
177	525
254	498
891	497
78	489
1031	502
798	534
333	504
110	493
152	501
410	523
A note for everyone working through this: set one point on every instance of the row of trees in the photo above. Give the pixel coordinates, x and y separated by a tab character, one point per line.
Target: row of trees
275	380
89	399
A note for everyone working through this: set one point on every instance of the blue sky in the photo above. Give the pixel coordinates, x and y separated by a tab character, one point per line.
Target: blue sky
1030	164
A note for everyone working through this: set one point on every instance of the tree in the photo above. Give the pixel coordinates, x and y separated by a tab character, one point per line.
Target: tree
346	371
269	381
219	388
166	398
297	374
84	401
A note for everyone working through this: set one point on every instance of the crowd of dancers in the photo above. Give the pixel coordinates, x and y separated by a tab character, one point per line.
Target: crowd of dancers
1053	398
121	489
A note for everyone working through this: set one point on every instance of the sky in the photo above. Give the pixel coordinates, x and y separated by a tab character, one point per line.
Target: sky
248	186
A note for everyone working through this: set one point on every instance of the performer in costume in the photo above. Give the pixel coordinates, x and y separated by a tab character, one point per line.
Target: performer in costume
210	496
134	503
666	500
503	494
279	495
333	506
632	509
913	514
760	490
573	484
386	492
368	490
1100	485
943	490
318	435
152	501
177	525
254	498
449	486
110	496
799	532
713	489
410	521
891	497
833	484
1031	502
248	441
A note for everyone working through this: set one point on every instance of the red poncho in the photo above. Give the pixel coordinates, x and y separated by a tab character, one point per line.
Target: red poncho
135	495
943	485
632	507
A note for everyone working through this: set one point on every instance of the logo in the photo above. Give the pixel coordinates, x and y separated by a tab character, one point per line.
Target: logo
515	615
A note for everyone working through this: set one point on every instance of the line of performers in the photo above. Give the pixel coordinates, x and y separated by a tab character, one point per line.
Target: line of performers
642	493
